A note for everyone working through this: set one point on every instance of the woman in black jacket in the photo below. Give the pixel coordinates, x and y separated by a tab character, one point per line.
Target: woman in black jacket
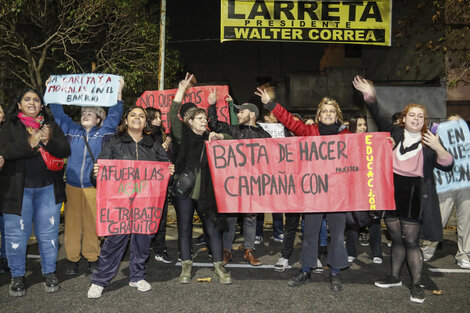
132	142
32	192
192	156
416	153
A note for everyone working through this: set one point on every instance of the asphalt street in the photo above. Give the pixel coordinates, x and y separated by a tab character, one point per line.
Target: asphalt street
253	290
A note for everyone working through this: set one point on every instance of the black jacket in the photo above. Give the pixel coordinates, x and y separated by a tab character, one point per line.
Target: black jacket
123	147
430	214
15	149
236	131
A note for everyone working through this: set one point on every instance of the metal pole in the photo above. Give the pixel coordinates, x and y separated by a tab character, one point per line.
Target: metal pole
161	58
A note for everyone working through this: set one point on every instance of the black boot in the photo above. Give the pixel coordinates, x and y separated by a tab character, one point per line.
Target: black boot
17	287
300	279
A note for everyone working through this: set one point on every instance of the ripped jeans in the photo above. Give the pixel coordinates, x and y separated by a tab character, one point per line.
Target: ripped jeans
39	207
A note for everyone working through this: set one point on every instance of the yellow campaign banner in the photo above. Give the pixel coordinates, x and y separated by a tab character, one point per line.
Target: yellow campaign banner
352	22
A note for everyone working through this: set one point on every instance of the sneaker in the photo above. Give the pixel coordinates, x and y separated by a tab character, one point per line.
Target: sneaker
72	268
300	279
201	240
258	240
417	294
377	260
363	241
351	259
4	265
281	265
141	285
335	283
279	238
93	266
17	287
388	282
95	291
51	283
319	269
464	264
163	257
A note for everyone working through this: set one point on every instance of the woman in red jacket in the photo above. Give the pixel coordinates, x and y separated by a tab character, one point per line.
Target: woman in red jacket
328	121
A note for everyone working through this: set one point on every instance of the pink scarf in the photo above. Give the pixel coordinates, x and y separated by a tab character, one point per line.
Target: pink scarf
31	123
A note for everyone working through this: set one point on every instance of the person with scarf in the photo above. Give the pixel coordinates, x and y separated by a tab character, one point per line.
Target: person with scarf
416	152
32	194
328	121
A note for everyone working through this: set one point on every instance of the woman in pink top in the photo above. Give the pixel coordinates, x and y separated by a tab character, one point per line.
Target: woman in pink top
416	153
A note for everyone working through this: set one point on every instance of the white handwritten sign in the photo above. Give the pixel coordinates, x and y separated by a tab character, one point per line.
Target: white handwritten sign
83	89
456	139
276	130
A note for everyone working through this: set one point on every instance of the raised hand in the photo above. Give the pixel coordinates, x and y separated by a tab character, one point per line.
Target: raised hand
434	143
212	98
187	82
121	87
263	94
365	87
228	98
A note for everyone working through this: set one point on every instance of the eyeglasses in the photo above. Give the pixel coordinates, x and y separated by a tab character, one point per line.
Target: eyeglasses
201	118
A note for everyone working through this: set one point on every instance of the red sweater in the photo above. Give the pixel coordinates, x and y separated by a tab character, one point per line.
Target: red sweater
296	126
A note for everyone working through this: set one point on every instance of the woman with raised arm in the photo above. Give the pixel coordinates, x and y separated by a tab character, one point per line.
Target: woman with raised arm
416	152
133	141
32	188
329	121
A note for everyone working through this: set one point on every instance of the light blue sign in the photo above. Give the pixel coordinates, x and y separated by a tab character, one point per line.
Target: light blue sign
456	139
83	89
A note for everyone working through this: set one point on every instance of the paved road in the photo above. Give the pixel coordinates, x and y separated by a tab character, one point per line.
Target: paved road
253	290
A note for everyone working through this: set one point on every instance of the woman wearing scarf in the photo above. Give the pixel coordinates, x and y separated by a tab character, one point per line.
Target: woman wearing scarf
416	153
328	121
32	193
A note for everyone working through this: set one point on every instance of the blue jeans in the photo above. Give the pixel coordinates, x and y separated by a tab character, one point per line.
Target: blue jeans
278	224
2	233
323	234
39	207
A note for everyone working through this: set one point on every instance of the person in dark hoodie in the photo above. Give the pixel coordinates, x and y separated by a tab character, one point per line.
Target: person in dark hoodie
32	189
246	129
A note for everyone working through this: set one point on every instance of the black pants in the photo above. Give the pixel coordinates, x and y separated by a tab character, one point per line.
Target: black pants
184	213
337	255
375	238
159	242
292	223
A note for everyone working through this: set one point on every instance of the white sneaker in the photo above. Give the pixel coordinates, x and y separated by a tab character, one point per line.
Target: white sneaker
95	291
281	265
258	240
279	238
319	269
377	260
464	264
141	285
351	259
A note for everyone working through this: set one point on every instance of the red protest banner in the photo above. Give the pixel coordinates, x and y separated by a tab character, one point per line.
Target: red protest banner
130	196
161	99
350	172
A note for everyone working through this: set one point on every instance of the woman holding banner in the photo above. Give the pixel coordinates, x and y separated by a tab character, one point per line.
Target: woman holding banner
328	122
416	152
86	140
32	187
132	142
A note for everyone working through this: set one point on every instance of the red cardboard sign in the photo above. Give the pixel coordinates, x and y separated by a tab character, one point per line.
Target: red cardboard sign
162	99
351	172
130	196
